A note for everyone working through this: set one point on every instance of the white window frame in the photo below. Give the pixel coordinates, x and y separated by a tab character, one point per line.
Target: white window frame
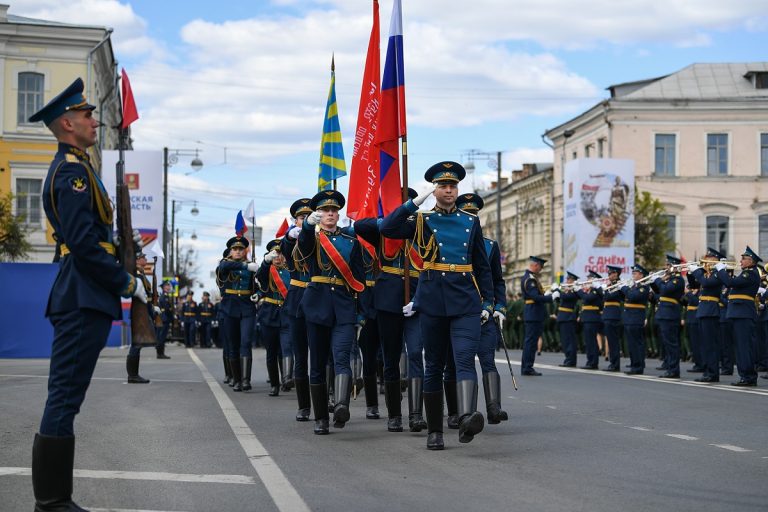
728	147
30	171
676	150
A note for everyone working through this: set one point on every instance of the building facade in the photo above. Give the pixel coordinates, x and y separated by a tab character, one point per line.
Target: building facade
699	140
38	59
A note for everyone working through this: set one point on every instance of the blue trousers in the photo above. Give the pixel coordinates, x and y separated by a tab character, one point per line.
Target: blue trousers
239	332
531	337
612	330
78	337
746	351
300	344
462	333
414	347
270	338
190	327
205	334
486	350
589	332
761	334
635	335
709	328
391	328
670	336
286	343
162	335
369	346
568	341
693	333
324	341
726	345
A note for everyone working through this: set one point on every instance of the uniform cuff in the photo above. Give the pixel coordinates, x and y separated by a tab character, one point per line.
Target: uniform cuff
488	306
130	287
501	308
410	206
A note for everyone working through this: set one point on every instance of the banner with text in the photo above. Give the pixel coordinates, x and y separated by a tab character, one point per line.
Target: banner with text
599	221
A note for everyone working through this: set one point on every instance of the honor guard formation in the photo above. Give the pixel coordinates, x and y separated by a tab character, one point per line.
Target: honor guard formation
400	304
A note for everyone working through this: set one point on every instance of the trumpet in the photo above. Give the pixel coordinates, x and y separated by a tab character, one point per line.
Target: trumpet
709	264
576	284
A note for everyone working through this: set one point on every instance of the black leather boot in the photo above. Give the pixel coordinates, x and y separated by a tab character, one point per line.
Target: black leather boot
371	398
392	399
132	366
161	353
471	422
319	394
227	371
53	460
403	371
274	378
415	419
433	407
451	403
287	373
329	375
237	379
342	388
246	363
492	391
302	397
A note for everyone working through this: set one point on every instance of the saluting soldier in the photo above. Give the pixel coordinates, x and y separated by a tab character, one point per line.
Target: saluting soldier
612	318
566	320
636	298
85	297
534	312
205	312
671	288
330	303
591	303
165	302
189	319
454	296
708	314
743	313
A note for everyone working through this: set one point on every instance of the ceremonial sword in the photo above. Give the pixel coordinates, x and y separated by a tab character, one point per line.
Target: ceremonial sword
506	353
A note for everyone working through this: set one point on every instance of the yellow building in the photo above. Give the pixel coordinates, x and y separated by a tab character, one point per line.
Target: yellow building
38	59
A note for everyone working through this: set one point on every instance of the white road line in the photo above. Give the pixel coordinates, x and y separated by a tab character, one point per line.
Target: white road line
642	429
553	407
683	437
144	475
9	375
731	448
611	422
281	490
128	510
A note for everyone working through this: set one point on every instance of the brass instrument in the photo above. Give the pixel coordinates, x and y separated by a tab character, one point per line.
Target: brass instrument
577	284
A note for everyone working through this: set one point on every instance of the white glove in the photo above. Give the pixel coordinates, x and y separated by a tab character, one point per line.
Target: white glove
760	290
423	197
294	232
554	287
555	295
499	317
548	292
484	316
253	266
136	237
720	266
314	217
140	293
157	310
255	297
692	267
595	285
408	309
270	256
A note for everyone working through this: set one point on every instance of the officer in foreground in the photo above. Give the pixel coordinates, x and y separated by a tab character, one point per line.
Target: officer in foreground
85	297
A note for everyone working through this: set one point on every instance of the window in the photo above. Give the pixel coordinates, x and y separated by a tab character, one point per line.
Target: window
761	80
600	148
665	154
29	200
586	150
717	154
717	233
762	224
764	154
574	156
671	227
30	95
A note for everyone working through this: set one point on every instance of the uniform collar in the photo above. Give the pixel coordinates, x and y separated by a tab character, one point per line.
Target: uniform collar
443	210
337	231
70	149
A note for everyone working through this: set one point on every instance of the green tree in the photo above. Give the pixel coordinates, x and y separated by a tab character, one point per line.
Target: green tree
13	232
652	240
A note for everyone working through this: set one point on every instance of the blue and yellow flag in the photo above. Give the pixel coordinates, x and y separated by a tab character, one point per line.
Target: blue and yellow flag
332	165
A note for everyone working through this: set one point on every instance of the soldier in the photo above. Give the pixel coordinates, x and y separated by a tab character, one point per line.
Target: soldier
335	262
534	312
274	279
134	352
708	315
591	297
670	288
85	298
225	346
237	276
742	312
166	314
612	319
566	320
206	312
762	329
726	333
189	319
636	298
692	331
454	296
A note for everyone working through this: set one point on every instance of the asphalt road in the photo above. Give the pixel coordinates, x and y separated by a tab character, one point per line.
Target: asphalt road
576	440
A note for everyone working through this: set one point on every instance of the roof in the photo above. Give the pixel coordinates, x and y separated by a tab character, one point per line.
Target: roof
23	20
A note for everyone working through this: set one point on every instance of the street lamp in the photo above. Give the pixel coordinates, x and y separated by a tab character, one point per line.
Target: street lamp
494	162
194	211
171	157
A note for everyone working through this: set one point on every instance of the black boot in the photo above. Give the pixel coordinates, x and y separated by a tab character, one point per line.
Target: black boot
471	422
234	366
302	397
287	373
342	387
415	420
319	393
329	375
433	407
132	366
227	371
246	363
451	403
274	378
492	391
392	399
161	353
371	398
403	371
380	375
53	460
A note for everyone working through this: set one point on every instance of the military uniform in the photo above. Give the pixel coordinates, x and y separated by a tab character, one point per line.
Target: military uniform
566	322
692	330
667	318
634	317
166	315
534	315
590	318
726	334
206	312
134	352
189	319
708	315
612	319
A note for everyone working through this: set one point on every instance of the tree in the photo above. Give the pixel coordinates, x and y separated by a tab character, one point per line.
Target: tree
652	238
13	232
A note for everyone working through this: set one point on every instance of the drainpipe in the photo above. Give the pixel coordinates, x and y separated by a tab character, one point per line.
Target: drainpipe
89	66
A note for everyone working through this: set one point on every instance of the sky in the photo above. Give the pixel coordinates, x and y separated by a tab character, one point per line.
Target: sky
246	83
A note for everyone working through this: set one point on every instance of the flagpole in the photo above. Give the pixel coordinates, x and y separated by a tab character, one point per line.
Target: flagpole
253	237
407	245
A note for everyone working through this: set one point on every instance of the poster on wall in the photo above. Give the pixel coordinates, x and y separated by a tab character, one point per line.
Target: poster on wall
599	221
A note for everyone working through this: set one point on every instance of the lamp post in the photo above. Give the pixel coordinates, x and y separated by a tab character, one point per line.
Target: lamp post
494	162
172	256
171	157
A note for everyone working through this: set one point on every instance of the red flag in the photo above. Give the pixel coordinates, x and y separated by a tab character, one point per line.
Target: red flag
240	227
283	229
363	194
130	114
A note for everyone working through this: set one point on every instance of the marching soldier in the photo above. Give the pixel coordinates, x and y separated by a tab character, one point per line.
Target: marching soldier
134	352
742	312
534	312
726	332
612	319
671	288
708	314
591	302
225	346
566	320
330	303
636	298
189	319
206	312
85	298
454	296
166	314
692	331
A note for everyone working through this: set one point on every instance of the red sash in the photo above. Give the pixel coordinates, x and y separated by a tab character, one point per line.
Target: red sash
339	262
418	263
279	283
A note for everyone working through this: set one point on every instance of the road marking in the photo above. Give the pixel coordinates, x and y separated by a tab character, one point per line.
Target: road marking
642	429
731	448
9	375
128	510
281	490
554	408
144	475
611	422
683	437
